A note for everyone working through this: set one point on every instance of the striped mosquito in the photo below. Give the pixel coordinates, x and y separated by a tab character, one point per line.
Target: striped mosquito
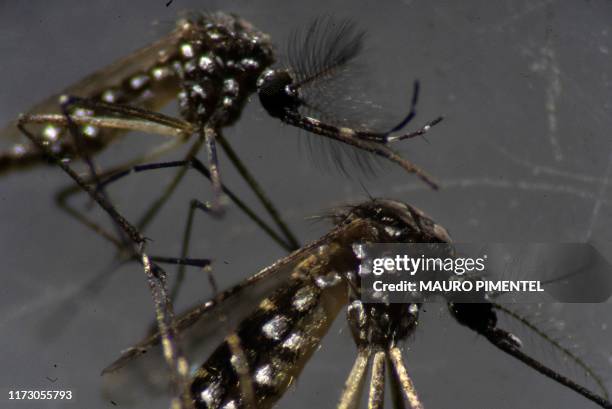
304	293
211	63
300	296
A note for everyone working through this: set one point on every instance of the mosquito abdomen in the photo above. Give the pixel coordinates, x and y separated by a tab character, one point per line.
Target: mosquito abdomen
278	338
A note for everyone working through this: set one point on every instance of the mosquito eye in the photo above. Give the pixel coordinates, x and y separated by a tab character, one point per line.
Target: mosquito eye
275	93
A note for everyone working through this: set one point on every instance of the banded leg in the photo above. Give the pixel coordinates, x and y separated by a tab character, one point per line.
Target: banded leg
376	398
389	137
140	120
351	137
290	238
63	196
201	168
353	388
198	205
156	279
403	379
156	206
283	102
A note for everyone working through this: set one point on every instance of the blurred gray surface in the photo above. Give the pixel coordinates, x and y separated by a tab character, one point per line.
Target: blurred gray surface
524	154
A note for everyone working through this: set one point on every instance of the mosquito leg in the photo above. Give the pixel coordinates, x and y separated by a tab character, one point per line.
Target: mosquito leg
397	395
412	112
419	132
352	137
198	205
142	120
256	188
386	152
353	388
182	261
241	366
63	196
201	168
138	115
132	232
180	273
195	204
88	222
156	278
124	124
78	140
290	243
376	398
77	137
157	205
210	136
239	360
407	387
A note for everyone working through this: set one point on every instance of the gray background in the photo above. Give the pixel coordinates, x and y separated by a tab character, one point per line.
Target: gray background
524	154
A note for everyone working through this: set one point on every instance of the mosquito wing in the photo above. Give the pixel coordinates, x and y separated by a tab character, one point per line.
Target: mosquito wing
144	78
204	326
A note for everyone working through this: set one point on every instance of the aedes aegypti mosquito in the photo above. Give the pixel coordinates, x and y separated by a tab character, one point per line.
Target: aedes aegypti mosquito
212	63
312	286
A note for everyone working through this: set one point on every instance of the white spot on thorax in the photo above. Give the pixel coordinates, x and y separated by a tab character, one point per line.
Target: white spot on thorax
206	64
230	86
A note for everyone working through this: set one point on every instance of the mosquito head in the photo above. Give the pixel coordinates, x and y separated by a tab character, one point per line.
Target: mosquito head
276	93
398	222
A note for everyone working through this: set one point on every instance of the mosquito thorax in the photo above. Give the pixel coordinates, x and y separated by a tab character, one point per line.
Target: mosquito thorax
219	63
397	222
276	93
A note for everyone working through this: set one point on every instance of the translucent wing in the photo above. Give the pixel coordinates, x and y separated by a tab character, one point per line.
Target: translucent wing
203	327
144	78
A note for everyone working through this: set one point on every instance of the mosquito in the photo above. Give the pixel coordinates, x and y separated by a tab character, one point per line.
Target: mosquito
307	290
211	64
